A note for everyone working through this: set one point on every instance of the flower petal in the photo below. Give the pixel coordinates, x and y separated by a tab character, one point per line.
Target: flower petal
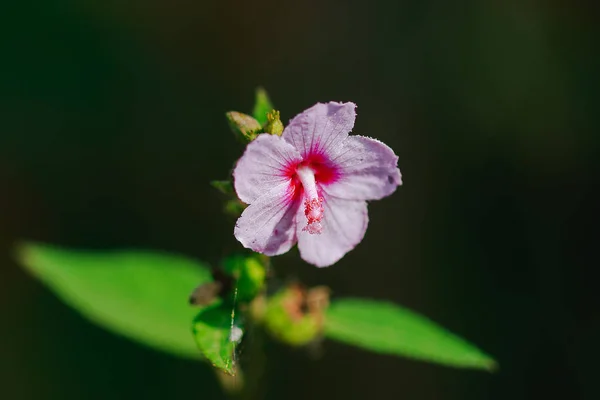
344	225
367	170
321	129
268	225
262	166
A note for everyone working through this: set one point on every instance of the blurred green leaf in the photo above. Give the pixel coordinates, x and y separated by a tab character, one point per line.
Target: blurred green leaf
217	333
391	329
234	264
262	105
225	187
251	279
234	208
250	275
140	295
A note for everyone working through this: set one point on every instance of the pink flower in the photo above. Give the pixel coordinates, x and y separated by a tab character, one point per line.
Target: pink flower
310	185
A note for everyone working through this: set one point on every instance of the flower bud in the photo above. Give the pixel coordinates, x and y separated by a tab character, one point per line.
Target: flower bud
295	315
243	126
274	126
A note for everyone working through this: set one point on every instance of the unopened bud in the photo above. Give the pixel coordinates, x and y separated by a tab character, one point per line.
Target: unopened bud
295	316
274	126
243	126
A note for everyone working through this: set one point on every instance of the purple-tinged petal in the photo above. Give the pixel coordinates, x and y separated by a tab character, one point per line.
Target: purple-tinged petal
367	170
268	225
263	166
343	226
321	129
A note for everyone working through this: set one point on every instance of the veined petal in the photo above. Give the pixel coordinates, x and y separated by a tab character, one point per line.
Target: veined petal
268	225
321	129
262	167
367	170
343	226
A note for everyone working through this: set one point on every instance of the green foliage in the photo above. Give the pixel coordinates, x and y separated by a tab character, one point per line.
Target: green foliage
262	106
225	187
140	295
391	329
249	273
234	208
232	265
217	333
251	279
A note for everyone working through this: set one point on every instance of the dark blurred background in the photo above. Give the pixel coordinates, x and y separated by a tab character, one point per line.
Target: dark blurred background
112	125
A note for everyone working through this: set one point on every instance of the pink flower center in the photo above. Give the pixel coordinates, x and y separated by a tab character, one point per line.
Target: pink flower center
313	203
306	178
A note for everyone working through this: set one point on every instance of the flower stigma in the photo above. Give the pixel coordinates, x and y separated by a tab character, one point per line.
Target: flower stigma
313	203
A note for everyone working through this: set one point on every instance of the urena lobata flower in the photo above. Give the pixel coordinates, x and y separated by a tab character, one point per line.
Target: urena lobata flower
311	185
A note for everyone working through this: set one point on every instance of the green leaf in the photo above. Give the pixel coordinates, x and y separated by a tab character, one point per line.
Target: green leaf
217	333
391	329
225	187
262	105
250	275
234	208
140	295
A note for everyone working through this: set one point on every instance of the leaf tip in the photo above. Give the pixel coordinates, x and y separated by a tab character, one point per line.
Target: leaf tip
482	361
23	253
262	105
492	366
232	384
261	93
